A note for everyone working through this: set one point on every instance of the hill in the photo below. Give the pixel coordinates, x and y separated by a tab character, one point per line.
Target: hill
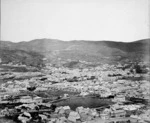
57	51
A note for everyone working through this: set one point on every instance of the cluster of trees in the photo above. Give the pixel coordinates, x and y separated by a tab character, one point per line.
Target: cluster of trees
71	64
136	68
139	69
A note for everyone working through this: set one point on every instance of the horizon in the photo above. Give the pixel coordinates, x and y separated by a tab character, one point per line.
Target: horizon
79	40
89	20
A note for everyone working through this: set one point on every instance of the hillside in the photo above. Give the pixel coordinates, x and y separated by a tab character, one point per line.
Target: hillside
57	51
21	57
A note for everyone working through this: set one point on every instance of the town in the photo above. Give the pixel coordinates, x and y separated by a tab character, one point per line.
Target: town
103	94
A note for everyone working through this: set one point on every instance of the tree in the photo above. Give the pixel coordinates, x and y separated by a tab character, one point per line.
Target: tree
31	88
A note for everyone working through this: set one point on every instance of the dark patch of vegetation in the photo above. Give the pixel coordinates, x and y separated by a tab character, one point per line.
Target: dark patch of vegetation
140	69
137	100
112	75
90	102
71	64
31	88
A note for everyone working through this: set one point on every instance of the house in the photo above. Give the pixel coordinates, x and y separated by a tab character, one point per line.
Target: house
119	98
37	99
104	116
26	99
118	113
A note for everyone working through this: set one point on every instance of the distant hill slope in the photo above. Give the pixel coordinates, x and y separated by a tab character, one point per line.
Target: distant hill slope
21	57
90	51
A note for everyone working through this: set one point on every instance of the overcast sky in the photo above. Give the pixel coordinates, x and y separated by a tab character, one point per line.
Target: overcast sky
117	20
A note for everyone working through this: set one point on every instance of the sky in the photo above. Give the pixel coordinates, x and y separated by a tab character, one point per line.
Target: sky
116	20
